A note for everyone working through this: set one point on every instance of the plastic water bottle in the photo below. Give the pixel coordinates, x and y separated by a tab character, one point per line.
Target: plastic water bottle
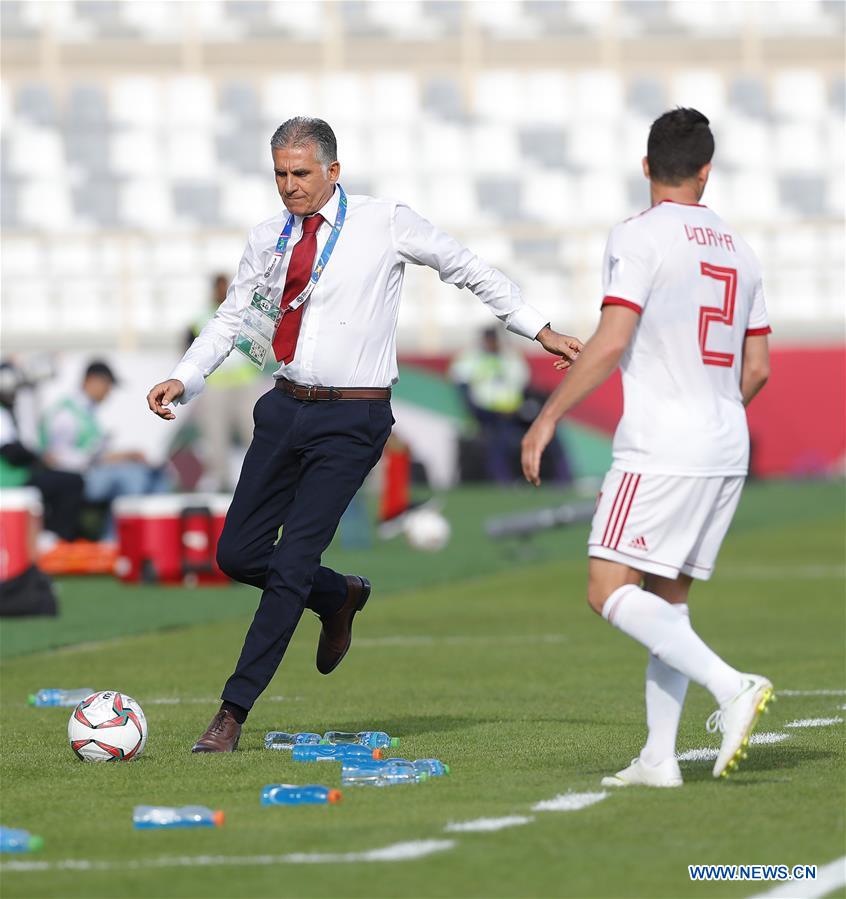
12	840
278	740
153	816
388	774
433	767
44	698
342	753
375	739
288	794
356	529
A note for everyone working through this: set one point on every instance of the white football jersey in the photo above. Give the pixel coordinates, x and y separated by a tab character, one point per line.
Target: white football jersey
697	287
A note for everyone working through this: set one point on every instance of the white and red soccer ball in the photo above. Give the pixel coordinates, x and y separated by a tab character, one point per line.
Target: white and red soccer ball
107	727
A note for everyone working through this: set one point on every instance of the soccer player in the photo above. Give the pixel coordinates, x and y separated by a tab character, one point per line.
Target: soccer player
683	314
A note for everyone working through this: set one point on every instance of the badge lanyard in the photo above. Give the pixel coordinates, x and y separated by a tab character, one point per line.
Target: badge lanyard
261	318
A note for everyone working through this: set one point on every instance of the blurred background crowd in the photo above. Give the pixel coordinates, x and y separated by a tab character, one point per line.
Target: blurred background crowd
135	156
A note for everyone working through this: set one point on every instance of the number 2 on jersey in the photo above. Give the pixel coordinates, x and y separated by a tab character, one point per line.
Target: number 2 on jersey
712	314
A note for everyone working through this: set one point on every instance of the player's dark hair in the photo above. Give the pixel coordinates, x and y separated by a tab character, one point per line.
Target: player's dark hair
680	143
301	131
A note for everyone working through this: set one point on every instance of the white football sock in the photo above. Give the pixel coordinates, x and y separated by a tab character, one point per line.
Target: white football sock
668	635
665	692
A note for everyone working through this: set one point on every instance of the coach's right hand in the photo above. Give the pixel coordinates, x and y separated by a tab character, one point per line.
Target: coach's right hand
162	395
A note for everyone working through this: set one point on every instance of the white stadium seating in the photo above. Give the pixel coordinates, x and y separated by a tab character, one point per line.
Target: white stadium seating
127	184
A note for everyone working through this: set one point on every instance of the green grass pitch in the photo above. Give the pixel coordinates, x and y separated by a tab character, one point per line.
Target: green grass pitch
486	656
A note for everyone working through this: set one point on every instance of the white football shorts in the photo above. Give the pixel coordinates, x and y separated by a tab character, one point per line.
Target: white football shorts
663	524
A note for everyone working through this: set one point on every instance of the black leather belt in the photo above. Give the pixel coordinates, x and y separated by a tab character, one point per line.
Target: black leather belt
313	393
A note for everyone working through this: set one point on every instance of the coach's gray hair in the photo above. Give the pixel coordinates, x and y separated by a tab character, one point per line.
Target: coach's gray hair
302	130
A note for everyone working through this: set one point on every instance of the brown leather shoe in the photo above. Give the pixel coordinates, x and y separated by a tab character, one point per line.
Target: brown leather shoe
336	633
221	735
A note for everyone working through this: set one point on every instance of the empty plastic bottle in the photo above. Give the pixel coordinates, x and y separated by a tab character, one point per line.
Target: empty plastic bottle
375	739
150	816
12	840
433	767
387	774
356	528
53	697
288	794
278	740
326	753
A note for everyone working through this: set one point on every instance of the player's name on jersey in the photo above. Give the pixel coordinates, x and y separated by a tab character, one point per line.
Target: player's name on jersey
708	237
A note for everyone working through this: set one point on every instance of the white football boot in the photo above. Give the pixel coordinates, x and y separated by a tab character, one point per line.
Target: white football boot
639	774
736	720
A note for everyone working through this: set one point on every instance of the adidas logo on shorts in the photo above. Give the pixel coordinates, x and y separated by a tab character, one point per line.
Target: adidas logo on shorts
639	543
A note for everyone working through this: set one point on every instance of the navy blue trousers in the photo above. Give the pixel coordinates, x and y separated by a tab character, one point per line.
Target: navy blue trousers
304	465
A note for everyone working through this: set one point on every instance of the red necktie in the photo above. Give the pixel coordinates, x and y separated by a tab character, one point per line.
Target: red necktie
299	271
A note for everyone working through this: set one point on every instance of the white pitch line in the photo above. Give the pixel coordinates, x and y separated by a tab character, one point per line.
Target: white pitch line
568	802
709	753
814	722
484	825
811	693
397	852
703	754
768	737
829	878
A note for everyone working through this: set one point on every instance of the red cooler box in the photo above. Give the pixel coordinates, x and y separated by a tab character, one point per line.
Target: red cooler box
20	524
170	538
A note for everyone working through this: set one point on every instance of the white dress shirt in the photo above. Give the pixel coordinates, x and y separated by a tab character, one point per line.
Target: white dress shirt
348	332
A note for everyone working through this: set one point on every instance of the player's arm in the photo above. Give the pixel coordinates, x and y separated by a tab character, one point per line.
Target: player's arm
600	356
756	366
418	241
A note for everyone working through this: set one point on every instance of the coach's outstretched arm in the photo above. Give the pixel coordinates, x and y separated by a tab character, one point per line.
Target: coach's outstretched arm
418	241
756	366
601	355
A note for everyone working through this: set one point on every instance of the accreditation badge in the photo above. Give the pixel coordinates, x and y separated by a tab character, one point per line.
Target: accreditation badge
258	326
253	346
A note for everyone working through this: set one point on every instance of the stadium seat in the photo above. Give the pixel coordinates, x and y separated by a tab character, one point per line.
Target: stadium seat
246	200
799	94
523	155
441	97
505	20
803	194
545	145
145	203
703	89
748	97
646	96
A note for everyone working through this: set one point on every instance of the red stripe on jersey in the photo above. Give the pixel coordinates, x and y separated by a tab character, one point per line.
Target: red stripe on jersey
612	517
759	332
634	483
619	301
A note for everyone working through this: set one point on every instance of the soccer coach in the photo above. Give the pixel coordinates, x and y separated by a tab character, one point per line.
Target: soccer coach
339	264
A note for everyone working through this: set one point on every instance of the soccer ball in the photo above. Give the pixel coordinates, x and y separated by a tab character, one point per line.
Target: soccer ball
107	727
427	529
